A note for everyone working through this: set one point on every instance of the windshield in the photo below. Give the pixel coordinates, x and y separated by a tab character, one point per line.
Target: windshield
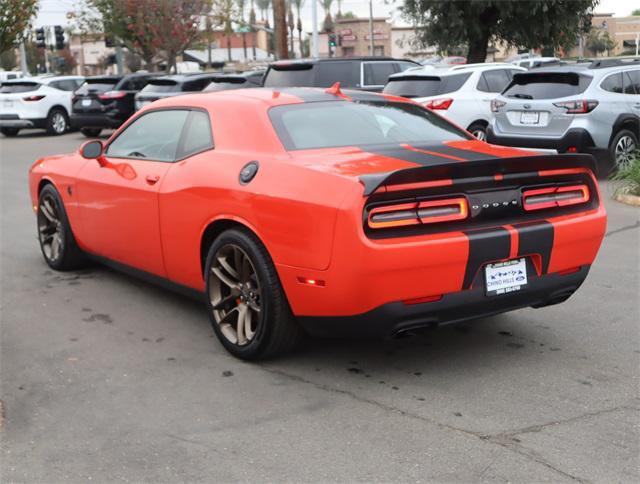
424	86
337	123
546	85
97	85
161	86
14	87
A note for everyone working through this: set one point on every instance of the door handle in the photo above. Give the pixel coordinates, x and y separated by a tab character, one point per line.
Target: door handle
152	179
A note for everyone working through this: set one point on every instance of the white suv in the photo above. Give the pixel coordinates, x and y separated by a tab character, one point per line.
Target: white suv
37	102
462	94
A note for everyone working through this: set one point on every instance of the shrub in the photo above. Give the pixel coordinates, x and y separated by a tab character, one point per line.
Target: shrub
629	176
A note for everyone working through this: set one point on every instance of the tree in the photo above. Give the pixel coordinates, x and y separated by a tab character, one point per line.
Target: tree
280	29
67	63
327	25
225	13
292	25
599	41
475	23
15	16
636	12
8	60
263	6
299	4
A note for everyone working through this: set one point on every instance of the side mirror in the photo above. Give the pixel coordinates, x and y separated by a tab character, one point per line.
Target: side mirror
91	149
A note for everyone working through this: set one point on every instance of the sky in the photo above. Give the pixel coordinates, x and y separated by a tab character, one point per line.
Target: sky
53	12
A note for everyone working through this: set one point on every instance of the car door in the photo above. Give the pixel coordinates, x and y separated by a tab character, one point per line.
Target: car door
118	194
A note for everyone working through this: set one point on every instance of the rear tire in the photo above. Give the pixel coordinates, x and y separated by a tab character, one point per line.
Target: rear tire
247	306
57	243
57	122
478	130
10	132
91	132
621	149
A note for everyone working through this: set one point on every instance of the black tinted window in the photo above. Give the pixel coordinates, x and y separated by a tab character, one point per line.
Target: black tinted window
629	87
546	85
195	84
424	86
153	136
226	84
494	81
64	85
97	85
613	83
634	79
197	134
161	86
296	76
328	73
377	73
14	87
332	124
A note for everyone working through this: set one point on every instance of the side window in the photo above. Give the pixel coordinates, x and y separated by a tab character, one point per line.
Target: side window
196	85
524	64
495	80
377	73
139	82
197	135
328	73
403	66
153	136
635	79
631	87
613	83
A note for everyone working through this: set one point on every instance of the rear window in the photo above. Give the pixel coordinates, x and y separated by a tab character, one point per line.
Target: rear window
547	85
347	73
97	85
291	75
425	86
13	87
161	86
377	73
334	123
226	84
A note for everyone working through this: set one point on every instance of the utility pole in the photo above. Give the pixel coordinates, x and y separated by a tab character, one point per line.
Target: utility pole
314	31
371	28
119	62
280	27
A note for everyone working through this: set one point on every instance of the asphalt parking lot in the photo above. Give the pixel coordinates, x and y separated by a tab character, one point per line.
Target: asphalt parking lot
107	378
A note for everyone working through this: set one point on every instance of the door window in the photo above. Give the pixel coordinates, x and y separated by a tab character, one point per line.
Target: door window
153	136
328	73
613	83
197	135
377	73
632	82
494	81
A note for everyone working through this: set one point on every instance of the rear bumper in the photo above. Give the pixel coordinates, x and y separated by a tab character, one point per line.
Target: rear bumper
81	120
578	138
393	318
14	121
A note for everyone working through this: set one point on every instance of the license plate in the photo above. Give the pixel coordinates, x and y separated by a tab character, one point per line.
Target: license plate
86	102
505	277
530	118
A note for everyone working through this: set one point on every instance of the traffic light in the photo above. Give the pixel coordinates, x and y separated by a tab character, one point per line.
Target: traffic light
333	42
59	37
40	38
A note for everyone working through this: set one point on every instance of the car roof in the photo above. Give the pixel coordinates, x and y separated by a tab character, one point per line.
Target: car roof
316	60
179	78
105	78
40	79
581	69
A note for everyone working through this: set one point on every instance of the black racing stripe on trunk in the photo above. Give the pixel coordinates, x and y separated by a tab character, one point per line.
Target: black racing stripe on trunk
466	155
485	245
536	238
397	151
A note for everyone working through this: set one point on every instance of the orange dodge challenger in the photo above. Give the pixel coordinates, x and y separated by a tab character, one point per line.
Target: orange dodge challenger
329	211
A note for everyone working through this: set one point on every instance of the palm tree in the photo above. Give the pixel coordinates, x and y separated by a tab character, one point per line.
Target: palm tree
291	26
252	26
242	23
327	25
299	4
263	6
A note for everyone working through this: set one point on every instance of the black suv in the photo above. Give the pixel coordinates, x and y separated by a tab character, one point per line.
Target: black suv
174	85
105	102
362	73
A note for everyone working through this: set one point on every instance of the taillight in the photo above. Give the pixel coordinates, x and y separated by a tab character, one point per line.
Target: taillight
552	197
581	106
496	105
112	95
442	104
404	214
33	98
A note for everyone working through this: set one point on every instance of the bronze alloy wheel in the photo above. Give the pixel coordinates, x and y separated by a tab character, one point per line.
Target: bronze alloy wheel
50	230
235	295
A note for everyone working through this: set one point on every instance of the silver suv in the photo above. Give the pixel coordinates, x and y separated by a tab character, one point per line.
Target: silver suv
587	108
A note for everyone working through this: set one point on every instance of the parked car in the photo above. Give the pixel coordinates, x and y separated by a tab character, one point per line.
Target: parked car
37	102
242	80
10	75
175	85
364	73
462	94
105	102
340	212
587	108
536	62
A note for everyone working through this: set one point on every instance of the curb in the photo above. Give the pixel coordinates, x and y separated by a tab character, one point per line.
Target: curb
627	199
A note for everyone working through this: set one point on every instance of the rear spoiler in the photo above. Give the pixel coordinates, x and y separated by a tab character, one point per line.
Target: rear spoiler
448	169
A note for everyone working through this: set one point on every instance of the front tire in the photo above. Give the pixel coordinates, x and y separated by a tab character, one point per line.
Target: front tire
57	122
621	149
57	243
10	132
91	132
247	306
